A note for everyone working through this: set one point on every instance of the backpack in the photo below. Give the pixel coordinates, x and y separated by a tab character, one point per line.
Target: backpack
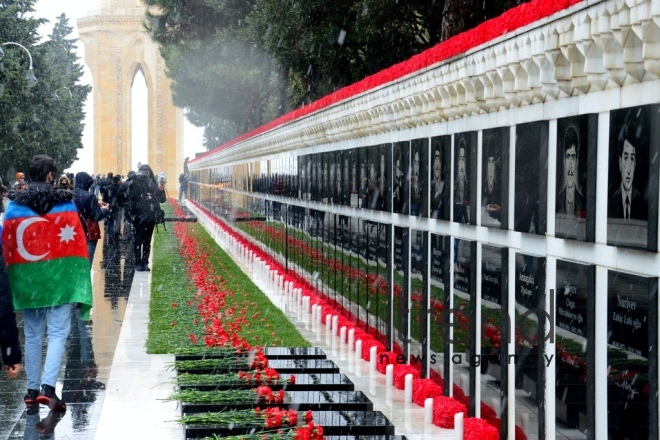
143	205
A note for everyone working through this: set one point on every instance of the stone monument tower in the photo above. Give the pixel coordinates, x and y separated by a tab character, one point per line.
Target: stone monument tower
116	48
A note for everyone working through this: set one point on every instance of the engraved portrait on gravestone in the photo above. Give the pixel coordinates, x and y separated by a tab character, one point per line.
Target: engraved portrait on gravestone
381	181
440	174
491	192
571	198
385	164
461	190
625	201
397	191
530	174
415	189
633	182
575	134
419	177
339	164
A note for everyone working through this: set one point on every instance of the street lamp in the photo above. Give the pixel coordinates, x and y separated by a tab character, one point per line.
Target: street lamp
31	79
55	97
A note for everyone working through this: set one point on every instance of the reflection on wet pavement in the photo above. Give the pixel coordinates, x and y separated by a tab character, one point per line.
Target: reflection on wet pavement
86	364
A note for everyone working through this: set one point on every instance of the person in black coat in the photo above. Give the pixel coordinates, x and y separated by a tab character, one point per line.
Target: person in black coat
9	343
89	207
141	210
115	195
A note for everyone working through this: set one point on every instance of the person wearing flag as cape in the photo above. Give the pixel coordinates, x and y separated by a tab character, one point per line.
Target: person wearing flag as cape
45	249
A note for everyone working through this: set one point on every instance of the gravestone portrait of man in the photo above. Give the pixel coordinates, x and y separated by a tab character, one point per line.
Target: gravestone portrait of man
571	198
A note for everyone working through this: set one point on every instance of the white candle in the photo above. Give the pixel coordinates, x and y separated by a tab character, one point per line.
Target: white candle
342	333
389	375
458	426
428	411
335	324
358	354
351	339
408	389
373	357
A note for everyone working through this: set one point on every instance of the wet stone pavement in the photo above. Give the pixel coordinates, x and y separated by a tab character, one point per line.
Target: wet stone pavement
86	363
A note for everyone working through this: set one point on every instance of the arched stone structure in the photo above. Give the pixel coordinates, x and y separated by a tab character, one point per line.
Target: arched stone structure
116	48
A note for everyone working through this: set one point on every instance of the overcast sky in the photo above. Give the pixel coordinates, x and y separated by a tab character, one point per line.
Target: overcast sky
74	9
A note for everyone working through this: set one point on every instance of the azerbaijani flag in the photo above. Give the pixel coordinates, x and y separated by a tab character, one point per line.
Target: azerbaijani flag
47	257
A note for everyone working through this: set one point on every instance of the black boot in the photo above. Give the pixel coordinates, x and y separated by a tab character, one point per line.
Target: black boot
48	397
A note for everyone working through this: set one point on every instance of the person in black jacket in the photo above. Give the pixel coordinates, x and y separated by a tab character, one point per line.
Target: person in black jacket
114	197
144	196
88	206
11	348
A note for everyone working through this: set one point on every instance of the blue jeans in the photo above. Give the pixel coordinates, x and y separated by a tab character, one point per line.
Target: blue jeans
57	320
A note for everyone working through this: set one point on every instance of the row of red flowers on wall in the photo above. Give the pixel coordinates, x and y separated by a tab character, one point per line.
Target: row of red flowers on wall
444	408
513	19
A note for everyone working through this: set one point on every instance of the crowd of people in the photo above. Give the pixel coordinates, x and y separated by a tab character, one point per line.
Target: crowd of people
51	228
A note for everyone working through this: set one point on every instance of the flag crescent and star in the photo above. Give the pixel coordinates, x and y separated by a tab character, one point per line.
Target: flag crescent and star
47	257
37	238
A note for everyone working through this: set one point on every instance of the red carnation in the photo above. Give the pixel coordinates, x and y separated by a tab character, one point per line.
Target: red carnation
366	348
385	358
479	429
444	410
423	389
400	372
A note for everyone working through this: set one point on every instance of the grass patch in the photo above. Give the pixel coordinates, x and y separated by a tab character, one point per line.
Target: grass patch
173	317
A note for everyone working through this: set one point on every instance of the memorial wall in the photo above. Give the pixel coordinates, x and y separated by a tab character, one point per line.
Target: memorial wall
502	230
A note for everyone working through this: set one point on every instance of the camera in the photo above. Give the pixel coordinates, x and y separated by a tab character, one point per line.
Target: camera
162	179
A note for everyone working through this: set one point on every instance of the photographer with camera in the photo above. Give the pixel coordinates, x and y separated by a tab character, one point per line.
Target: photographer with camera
144	196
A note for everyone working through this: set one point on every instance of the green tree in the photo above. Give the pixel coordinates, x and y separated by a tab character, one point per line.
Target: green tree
237	64
219	73
47	118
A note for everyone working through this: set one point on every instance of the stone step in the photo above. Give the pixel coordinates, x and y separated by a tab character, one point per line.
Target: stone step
298	400
271	353
339	425
282	366
303	382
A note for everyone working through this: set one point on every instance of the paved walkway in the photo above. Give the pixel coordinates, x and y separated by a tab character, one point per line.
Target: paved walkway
90	353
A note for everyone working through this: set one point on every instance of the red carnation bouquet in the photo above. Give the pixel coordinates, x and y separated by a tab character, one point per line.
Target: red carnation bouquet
366	348
479	429
385	358
266	394
444	410
271	418
400	372
423	389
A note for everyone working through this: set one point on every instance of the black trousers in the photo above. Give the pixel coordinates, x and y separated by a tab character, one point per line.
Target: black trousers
142	232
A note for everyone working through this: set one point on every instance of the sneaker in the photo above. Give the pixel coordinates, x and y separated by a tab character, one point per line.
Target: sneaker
146	268
31	397
48	397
